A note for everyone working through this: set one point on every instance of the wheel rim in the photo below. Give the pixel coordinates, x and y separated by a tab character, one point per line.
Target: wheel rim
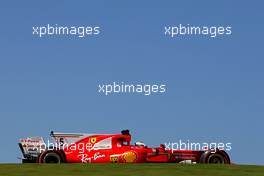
216	159
51	158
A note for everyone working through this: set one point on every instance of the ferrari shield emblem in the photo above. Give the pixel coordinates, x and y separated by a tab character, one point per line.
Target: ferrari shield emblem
93	140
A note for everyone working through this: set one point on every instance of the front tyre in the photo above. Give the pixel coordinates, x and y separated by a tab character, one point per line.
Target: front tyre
218	157
215	158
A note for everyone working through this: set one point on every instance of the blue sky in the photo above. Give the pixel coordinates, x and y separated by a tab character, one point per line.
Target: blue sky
214	86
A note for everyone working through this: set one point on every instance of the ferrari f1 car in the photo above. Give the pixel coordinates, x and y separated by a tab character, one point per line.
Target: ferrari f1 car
109	148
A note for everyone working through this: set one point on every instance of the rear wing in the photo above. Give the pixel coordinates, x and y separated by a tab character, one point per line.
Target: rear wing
31	147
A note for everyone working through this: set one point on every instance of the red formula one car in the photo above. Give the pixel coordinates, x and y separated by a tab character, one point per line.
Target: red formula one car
109	148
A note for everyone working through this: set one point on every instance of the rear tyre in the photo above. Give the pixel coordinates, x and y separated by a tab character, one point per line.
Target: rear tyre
52	157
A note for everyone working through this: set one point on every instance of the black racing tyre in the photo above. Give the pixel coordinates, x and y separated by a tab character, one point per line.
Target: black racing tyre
219	157
53	157
215	158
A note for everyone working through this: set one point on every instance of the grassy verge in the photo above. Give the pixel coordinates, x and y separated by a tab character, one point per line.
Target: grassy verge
128	170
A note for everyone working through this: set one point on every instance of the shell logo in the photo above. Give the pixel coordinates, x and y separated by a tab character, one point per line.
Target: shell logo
93	140
114	159
130	157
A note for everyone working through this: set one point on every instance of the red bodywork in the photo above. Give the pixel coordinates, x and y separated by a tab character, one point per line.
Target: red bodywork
116	148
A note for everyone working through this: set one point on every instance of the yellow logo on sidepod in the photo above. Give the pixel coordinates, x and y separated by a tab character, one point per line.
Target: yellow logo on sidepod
93	140
130	157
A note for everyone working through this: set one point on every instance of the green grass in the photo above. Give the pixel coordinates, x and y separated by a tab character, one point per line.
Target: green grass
128	170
